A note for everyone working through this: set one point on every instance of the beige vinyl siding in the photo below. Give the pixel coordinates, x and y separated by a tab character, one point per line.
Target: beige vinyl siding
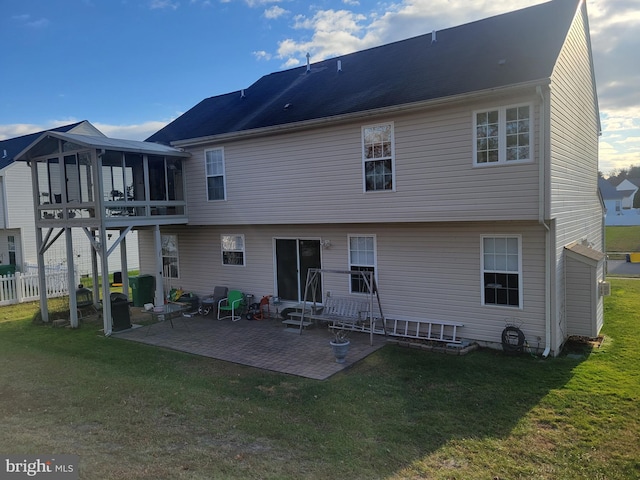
585	313
574	203
315	176
429	271
574	142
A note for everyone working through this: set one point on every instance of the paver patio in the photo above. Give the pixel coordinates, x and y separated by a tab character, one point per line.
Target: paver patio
263	344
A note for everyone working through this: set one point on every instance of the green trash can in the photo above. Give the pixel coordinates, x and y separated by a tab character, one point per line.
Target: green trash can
7	270
142	289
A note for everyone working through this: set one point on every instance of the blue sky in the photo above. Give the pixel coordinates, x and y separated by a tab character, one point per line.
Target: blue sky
131	66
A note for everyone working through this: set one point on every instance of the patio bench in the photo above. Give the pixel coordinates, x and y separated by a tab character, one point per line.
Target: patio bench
339	312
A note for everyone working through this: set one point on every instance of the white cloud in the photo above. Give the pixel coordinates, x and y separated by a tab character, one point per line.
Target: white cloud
262	55
259	3
275	12
25	19
129	132
162	4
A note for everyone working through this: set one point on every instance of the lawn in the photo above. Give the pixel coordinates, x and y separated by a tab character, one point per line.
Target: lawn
138	412
623	239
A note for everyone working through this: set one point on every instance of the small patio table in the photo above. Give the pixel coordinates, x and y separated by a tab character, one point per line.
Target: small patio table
168	311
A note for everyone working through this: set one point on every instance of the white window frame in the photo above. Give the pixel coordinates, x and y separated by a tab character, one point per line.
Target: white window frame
231	246
222	174
354	263
502	136
167	257
11	248
485	269
391	157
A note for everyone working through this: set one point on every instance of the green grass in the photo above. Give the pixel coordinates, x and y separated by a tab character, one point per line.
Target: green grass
138	412
623	239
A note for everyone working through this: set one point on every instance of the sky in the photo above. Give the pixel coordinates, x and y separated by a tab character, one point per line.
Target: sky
132	66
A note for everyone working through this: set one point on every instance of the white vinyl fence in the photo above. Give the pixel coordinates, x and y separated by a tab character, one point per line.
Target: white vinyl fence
24	287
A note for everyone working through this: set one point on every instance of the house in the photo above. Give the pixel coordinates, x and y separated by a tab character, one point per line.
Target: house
460	167
629	189
614	199
17	227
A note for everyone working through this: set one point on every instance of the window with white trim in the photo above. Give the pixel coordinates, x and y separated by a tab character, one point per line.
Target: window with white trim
502	271
214	169
11	240
362	257
170	264
232	249
503	135
378	157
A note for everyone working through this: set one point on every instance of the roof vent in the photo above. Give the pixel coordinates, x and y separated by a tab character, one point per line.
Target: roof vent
4	155
286	107
339	65
308	63
433	37
242	95
502	61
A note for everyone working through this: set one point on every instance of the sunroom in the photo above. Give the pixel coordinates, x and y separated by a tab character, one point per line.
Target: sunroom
102	184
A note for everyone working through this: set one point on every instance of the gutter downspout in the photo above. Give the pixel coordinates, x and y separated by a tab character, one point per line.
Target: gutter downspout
547	233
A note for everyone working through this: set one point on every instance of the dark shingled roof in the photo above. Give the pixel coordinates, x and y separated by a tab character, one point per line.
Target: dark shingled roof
14	146
508	49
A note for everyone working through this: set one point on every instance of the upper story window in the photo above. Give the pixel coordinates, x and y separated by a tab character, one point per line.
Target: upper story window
501	271
503	135
214	162
362	257
232	249
378	157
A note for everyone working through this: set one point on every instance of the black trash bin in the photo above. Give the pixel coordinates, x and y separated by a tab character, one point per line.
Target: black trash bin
121	320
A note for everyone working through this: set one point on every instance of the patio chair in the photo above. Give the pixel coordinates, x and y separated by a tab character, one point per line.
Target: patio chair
209	303
234	303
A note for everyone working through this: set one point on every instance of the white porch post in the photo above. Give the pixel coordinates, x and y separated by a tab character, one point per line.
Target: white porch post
106	291
94	270
124	269
42	278
159	299
71	279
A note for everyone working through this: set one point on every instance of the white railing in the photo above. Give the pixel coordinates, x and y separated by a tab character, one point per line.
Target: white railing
25	287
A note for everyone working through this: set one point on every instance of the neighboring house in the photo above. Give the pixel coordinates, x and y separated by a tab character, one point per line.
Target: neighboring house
17	223
613	200
629	189
460	167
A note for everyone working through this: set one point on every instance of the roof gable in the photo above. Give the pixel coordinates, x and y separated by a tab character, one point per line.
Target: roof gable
509	49
11	147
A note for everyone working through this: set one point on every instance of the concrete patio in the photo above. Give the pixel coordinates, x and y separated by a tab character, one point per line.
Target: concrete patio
265	344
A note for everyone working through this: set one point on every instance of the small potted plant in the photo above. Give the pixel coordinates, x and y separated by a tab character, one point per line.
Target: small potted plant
340	344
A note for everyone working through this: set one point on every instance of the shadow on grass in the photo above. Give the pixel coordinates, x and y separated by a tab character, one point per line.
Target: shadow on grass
381	416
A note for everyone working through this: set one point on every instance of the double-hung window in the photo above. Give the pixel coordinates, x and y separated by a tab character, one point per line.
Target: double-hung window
378	157
362	257
503	135
502	271
214	166
232	249
170	265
